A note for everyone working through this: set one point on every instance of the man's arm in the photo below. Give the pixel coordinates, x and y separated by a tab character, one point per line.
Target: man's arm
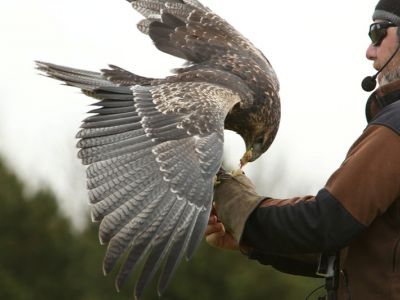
361	189
305	265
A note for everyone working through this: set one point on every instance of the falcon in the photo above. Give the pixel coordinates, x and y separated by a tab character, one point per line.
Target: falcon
154	145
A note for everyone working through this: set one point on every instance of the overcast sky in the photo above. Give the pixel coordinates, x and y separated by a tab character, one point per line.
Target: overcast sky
316	47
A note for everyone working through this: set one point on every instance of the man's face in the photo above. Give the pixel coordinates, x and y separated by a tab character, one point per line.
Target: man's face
382	52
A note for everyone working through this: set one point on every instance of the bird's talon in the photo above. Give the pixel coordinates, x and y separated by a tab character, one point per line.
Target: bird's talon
216	181
237	172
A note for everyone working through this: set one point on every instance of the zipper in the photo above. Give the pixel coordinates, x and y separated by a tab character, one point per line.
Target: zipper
395	250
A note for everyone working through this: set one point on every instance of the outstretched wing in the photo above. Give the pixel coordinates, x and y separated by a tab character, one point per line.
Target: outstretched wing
153	146
152	153
187	29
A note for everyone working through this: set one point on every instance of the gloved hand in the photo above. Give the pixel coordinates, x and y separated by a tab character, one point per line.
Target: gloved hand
235	199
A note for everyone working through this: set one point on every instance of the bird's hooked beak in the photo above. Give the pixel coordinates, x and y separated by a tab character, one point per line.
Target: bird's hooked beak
247	156
252	153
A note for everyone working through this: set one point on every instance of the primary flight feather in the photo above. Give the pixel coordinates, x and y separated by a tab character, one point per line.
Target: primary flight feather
153	146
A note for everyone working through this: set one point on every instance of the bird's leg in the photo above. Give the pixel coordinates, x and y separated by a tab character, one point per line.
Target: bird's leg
216	180
220	174
237	172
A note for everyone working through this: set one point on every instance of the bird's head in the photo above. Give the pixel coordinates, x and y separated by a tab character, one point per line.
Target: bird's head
257	142
257	125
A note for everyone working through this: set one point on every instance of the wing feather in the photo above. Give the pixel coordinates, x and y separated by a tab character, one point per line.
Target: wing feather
157	234
99	118
136	235
198	229
181	239
112	111
117	146
114	221
105	166
123	120
110	130
114	170
138	230
126	181
123	77
107	139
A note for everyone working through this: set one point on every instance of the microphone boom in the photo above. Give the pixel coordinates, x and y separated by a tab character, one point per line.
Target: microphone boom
369	83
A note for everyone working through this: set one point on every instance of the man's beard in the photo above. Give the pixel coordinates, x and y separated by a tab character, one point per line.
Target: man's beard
392	72
390	77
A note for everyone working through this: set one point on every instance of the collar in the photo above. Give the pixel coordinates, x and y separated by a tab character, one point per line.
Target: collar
382	97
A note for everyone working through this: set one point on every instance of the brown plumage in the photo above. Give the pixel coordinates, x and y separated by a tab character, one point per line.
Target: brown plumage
154	145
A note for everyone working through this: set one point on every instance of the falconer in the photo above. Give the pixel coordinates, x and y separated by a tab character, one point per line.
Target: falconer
350	231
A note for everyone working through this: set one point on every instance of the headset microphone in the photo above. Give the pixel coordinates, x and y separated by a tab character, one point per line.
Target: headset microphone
369	83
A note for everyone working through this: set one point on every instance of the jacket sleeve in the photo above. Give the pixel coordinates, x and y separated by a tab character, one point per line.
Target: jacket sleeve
363	188
290	264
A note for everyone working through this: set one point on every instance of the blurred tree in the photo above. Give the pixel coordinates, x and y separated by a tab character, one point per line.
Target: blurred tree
43	257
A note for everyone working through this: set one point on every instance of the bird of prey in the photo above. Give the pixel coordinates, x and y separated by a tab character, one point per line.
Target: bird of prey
153	146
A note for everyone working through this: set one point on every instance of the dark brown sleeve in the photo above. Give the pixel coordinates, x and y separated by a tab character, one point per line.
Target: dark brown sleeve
295	265
361	189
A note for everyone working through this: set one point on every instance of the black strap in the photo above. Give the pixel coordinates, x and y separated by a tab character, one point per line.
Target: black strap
329	267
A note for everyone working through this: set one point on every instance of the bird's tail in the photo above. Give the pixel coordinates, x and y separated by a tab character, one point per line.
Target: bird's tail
89	81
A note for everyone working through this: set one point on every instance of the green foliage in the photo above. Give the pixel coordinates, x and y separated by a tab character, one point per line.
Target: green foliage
43	257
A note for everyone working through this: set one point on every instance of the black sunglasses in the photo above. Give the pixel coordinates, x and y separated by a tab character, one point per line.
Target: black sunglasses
378	31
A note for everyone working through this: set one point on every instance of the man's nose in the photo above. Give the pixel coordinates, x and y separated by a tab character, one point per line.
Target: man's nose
371	52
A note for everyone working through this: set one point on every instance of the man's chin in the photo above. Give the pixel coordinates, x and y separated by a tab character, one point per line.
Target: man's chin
382	79
387	77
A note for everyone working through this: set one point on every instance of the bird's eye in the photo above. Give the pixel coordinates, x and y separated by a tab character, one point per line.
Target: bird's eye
259	141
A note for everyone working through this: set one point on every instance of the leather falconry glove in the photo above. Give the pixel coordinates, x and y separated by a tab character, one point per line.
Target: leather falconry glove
235	199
